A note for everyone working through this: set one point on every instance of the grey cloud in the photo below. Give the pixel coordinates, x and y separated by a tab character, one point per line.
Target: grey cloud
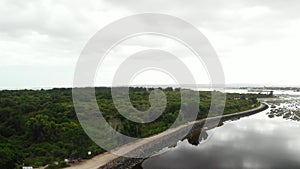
19	17
52	33
212	15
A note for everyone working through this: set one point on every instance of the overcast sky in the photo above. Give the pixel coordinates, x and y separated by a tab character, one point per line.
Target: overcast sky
257	41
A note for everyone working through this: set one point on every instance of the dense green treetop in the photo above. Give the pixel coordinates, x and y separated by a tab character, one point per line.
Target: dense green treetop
39	127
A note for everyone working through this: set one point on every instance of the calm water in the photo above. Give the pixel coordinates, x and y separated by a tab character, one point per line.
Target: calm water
267	140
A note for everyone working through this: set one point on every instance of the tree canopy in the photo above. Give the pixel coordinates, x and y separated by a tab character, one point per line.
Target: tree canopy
39	127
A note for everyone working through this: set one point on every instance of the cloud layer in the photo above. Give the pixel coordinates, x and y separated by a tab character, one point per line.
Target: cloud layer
40	41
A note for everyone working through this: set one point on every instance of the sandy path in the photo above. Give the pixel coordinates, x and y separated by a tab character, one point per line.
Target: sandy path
106	157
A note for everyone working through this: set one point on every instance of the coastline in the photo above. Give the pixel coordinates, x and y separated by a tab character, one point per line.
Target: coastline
109	161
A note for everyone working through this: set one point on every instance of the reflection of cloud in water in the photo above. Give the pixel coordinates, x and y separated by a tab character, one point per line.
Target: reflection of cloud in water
253	142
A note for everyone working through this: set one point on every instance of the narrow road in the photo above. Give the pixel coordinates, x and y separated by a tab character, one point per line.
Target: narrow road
103	159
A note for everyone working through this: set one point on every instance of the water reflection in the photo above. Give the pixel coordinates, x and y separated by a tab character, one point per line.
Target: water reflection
196	137
251	142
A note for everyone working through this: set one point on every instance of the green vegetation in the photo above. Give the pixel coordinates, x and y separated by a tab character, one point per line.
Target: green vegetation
41	127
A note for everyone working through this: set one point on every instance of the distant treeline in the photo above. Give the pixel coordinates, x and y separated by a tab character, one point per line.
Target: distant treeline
39	127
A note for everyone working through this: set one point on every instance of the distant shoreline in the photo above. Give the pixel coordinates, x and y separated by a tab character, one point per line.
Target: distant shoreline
226	86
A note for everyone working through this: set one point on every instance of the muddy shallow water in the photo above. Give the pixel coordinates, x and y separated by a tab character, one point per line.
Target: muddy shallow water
267	140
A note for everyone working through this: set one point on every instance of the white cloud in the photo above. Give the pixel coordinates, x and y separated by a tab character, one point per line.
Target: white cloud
36	35
253	12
